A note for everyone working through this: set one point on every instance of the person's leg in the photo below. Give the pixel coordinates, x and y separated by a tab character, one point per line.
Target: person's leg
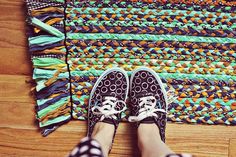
148	108
86	148
150	143
103	133
106	104
98	145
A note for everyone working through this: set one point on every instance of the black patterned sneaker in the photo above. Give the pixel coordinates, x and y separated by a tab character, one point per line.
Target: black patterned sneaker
107	99
148	99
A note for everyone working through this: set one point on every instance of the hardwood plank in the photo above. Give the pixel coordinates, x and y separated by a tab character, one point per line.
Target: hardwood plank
14	88
24	142
13	41
27	142
198	131
200	140
19	134
18	107
21	115
232	147
204	146
17	115
14	61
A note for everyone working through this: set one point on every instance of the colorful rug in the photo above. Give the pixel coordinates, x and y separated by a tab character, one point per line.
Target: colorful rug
190	44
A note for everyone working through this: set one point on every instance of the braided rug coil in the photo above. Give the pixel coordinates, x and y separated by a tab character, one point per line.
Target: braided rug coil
191	44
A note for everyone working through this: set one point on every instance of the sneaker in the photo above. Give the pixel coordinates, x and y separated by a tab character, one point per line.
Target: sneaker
107	99
148	99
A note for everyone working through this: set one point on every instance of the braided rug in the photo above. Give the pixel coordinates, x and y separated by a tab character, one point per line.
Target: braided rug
191	44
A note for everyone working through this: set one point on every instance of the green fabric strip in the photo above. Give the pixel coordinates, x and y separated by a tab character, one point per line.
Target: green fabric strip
212	102
143	11
100	36
94	72
40	84
42	40
60	1
138	4
53	107
128	50
44	62
42	101
36	22
75	98
155	62
43	74
182	57
160	23
55	120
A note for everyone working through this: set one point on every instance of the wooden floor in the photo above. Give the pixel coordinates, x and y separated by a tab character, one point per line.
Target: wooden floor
19	134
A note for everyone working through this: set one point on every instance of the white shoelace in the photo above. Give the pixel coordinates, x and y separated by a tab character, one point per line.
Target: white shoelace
107	110
147	109
148	104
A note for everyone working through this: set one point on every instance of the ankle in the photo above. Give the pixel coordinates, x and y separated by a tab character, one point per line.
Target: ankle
149	131
148	134
105	144
150	143
103	133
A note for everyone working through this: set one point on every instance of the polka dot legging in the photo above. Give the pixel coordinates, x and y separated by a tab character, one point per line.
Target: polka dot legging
91	148
87	148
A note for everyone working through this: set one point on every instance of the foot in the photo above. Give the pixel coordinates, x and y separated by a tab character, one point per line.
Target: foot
148	100
106	104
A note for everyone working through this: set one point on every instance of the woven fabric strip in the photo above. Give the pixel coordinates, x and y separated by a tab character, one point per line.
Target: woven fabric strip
48	54
190	44
39	4
156	5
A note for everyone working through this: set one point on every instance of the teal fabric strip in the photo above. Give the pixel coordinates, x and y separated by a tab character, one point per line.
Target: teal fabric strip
144	11
42	40
152	24
187	7
108	54
42	101
190	108
60	1
154	62
126	50
99	36
44	62
205	100
40	74
53	107
55	120
97	73
36	22
40	84
75	97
